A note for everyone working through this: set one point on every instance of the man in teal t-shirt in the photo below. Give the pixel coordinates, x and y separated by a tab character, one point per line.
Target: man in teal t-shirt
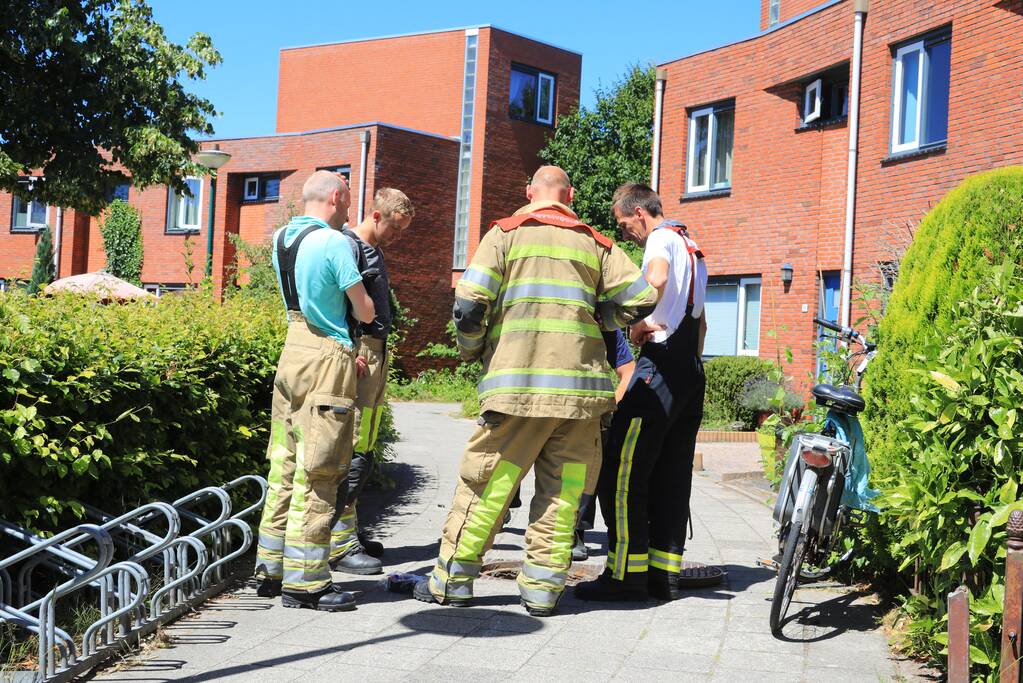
311	429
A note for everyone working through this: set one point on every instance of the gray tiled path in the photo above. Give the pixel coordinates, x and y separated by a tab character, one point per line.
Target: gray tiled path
715	635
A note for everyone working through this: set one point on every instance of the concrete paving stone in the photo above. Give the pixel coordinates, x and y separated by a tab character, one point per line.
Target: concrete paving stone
691	643
574	659
520	623
762	642
321	637
593	642
507	640
705	628
750	660
737	674
440	620
621	628
561	674
454	673
274	655
244	674
835	675
385	655
471	654
353	672
671	660
638	675
406	637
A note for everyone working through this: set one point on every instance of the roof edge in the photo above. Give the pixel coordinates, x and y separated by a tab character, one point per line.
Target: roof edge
315	131
776	27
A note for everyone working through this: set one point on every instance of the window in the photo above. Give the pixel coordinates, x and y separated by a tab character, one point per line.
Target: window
183	212
826	98
774	14
343	169
711	130
460	253
531	95
161	289
733	317
258	188
920	92
119	191
29	215
829	298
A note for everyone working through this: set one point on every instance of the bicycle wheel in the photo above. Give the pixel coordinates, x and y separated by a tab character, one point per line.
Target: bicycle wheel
788	576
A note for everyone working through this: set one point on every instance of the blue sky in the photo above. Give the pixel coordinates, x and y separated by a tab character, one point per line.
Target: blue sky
610	36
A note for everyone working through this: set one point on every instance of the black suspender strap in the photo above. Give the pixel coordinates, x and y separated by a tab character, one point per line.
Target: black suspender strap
286	257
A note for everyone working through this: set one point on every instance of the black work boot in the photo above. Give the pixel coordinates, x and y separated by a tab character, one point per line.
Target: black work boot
422	593
356	560
664	585
330	599
538	611
372	548
607	589
268	588
579	550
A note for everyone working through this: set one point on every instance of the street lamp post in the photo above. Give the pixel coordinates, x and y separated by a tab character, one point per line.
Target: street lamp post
212	159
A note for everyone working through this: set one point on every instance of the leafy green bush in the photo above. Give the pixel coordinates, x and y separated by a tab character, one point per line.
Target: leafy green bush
976	225
122	241
947	504
43	270
116	404
727	378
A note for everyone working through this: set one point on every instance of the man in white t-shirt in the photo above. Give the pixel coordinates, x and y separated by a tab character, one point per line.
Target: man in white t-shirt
647	472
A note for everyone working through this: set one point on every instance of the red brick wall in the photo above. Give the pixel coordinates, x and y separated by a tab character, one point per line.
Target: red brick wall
411	81
787	201
786	10
17	249
511	146
420	263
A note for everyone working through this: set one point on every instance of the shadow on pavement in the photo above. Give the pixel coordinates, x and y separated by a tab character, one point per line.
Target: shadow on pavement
840	615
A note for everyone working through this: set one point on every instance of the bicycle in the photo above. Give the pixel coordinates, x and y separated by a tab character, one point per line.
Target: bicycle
823	485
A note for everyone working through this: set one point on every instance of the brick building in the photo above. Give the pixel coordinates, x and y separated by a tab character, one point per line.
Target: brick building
454	118
755	139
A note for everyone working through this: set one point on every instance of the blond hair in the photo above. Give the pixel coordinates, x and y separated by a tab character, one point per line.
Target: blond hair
389	201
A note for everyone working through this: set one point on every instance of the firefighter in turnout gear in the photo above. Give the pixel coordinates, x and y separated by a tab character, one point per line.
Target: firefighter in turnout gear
647	474
390	215
528	306
314	392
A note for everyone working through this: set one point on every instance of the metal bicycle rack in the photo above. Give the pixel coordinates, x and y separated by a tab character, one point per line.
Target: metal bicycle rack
137	578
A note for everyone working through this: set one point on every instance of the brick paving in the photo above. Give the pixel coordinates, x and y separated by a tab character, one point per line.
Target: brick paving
718	634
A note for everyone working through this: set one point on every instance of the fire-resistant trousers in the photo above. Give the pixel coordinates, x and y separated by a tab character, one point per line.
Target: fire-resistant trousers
565	456
369	407
310	451
647	473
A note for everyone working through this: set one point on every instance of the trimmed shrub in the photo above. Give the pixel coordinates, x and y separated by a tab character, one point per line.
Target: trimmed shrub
727	379
978	224
122	241
43	270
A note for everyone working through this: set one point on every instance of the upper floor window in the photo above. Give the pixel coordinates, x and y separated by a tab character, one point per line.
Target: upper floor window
119	191
183	211
531	95
343	169
262	187
29	215
711	130
920	92
827	98
774	13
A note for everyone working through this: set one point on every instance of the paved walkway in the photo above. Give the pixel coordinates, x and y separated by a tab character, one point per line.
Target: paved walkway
714	635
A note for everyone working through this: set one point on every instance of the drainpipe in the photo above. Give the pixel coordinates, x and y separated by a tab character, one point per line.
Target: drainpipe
860	8
57	234
364	139
655	170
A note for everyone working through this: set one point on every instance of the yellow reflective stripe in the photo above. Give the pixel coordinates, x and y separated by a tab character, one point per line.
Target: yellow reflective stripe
522	251
296	511
482	278
365	430
546	325
278	452
484	515
669	562
622	498
549	281
573	479
553	392
491	294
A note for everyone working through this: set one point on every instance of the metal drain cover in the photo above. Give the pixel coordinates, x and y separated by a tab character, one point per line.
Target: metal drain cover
509	570
699	575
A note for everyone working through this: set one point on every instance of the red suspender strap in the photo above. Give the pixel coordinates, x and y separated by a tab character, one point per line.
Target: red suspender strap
694	253
555	219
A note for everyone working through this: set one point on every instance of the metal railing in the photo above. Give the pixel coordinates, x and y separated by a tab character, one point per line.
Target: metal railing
136	577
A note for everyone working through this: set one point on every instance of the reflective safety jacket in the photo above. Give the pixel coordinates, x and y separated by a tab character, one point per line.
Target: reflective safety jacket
531	306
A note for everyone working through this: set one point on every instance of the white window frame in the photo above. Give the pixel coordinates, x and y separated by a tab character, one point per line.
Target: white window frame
812	107
177	206
740	328
712	129
29	225
540	77
774	12
897	101
254	193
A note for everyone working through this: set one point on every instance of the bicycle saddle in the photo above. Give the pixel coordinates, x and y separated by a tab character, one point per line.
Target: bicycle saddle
842	398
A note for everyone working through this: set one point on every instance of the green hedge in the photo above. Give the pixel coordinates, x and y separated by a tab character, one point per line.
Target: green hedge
115	404
727	379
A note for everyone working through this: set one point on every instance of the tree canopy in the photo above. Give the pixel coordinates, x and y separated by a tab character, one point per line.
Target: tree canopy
603	147
92	95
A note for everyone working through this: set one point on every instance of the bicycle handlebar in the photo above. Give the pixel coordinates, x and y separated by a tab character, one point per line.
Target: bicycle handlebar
845	332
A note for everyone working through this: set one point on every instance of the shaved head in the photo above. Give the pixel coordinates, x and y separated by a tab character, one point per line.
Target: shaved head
327	197
320	185
550	183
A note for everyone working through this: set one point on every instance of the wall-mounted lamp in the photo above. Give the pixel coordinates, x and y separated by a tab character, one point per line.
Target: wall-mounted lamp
786	274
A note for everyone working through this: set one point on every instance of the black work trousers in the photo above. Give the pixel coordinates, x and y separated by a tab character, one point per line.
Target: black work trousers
647	472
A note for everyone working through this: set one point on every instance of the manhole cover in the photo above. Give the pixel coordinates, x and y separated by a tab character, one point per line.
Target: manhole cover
699	575
509	570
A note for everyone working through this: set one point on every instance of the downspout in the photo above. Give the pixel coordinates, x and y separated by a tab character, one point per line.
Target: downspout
860	8
57	235
655	170
364	139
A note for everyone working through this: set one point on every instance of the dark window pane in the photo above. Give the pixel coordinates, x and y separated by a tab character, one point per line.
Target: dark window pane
546	99
724	129
271	188
936	112
119	191
910	98
38	213
522	95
